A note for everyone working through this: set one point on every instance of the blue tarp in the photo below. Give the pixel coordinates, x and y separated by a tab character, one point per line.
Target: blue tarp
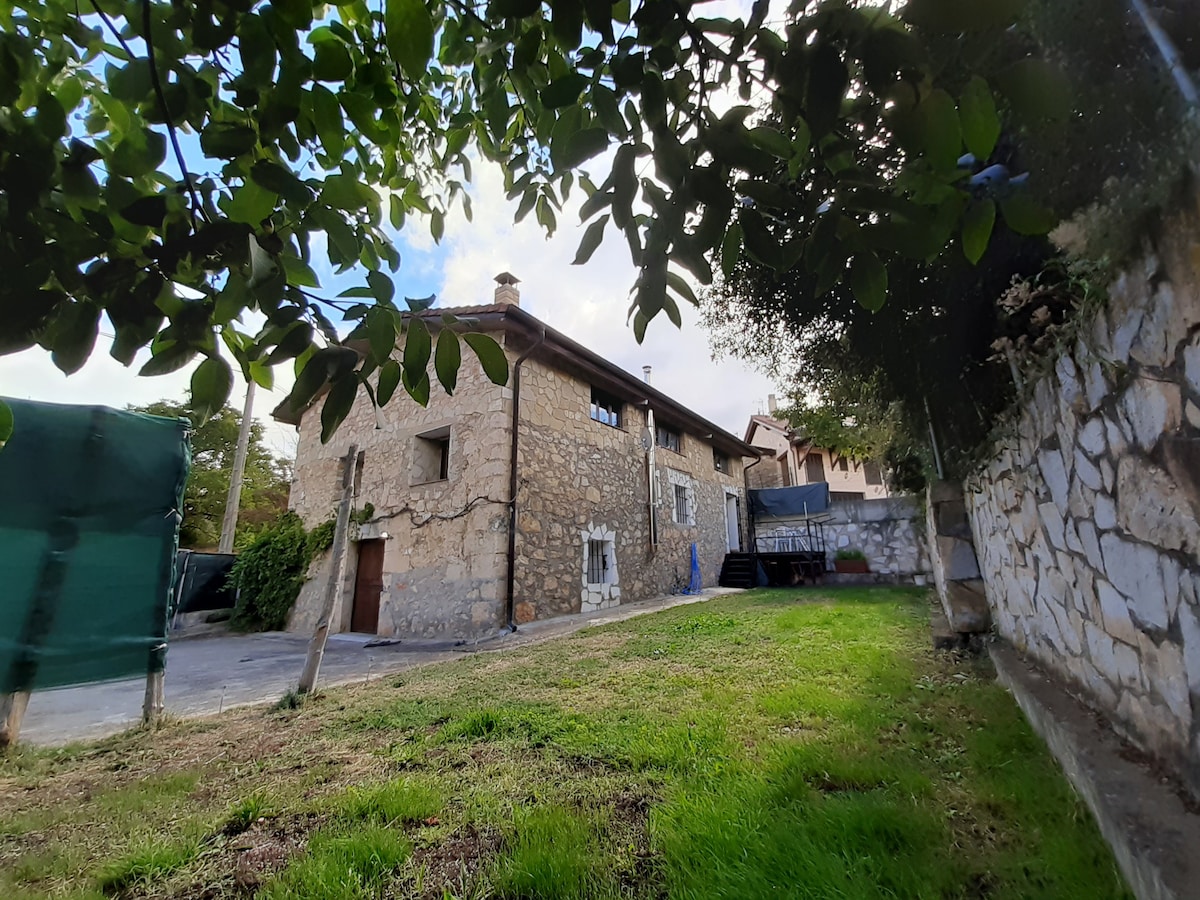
779	503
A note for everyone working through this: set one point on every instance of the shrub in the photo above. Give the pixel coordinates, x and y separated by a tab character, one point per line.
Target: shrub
269	573
850	554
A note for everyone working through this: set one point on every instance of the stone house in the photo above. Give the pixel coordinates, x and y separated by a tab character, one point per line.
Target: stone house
568	441
789	459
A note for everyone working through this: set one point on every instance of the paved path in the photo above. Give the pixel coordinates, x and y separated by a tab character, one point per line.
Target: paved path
207	674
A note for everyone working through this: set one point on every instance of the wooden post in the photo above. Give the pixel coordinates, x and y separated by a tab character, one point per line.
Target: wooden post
154	703
12	711
337	573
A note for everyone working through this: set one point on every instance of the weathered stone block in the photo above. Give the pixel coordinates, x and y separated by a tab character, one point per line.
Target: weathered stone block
1149	507
1134	570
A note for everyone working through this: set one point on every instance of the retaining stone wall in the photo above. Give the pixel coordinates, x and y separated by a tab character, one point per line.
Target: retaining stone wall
1087	521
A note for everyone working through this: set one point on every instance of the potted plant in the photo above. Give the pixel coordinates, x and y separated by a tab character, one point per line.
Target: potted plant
850	562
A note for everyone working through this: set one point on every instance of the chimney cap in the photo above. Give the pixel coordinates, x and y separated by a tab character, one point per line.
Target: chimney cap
507	278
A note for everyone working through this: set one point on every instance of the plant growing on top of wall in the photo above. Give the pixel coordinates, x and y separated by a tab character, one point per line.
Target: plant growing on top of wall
850	554
269	573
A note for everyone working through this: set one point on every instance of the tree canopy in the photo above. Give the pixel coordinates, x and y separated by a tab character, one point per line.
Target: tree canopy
170	166
264	487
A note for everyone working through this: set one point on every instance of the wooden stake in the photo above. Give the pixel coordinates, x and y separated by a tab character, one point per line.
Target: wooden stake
337	573
154	703
12	711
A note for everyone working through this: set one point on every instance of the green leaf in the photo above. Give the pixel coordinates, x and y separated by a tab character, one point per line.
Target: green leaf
299	273
828	79
417	346
676	282
295	341
408	27
389	379
447	359
941	136
382	288
491	356
74	335
582	146
331	61
147	211
250	204
591	240
280	180
869	280
211	383
381	332
310	379
563	91
977	228
263	375
327	119
346	192
338	403
773	141
731	249
980	122
419	389
169	357
1037	90
226	140
6	423
1024	215
954	16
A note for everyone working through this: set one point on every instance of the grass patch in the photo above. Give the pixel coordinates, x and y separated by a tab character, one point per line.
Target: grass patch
801	743
343	864
152	861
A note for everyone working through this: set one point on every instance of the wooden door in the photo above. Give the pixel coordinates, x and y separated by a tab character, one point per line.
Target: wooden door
368	585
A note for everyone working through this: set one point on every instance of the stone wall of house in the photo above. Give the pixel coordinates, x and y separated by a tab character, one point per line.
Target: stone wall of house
1087	521
889	532
582	480
444	559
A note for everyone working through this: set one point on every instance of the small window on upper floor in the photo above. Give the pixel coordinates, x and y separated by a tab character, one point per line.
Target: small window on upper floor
720	462
872	472
843	464
668	438
431	456
606	409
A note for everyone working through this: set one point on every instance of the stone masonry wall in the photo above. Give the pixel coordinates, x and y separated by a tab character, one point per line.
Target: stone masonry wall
444	560
580	478
1086	521
890	533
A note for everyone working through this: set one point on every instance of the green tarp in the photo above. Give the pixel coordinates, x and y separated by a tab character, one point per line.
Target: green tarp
90	503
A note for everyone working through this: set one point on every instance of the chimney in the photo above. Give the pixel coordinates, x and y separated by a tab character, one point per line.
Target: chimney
772	405
646	374
506	289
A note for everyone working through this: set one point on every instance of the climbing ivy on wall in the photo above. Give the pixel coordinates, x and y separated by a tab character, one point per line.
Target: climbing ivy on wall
269	573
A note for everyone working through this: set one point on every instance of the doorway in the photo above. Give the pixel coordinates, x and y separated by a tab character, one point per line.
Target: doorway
368	586
731	523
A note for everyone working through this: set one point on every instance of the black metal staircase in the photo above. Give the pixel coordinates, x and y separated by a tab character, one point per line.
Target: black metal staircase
738	570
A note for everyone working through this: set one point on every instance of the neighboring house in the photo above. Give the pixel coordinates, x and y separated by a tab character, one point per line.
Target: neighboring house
789	459
435	559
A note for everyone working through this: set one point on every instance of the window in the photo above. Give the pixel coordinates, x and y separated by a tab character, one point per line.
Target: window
835	496
681	505
785	474
872	473
720	462
606	409
668	438
843	465
598	568
814	467
431	456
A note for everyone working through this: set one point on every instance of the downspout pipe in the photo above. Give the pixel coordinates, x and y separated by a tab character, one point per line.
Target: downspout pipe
511	577
750	506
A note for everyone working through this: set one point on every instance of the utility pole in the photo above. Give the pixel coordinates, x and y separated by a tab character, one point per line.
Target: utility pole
337	573
234	498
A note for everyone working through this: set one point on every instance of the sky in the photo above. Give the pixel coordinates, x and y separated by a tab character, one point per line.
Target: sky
587	303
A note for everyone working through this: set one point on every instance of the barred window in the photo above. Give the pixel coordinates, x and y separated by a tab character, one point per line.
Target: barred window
597	562
606	409
681	505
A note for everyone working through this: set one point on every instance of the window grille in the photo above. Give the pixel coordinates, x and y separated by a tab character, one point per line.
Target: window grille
597	564
606	409
681	505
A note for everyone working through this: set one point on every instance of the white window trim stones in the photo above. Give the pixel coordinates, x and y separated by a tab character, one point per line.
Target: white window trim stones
594	597
675	478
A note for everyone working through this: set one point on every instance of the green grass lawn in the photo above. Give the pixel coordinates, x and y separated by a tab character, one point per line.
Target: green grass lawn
777	743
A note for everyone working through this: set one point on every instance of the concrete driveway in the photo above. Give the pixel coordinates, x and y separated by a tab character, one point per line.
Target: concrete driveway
208	674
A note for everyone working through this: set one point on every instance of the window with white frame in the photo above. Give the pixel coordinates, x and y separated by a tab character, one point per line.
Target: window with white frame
681	497
599	562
